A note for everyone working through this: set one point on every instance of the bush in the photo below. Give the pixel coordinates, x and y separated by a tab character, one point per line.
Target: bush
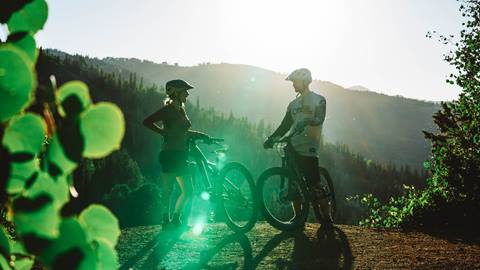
136	207
452	194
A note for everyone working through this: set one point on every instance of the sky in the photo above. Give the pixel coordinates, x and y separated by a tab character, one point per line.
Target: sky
378	44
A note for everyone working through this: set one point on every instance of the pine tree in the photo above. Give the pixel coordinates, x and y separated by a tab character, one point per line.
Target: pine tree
455	164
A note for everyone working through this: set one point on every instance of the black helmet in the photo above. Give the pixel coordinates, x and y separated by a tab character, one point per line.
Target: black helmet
177	85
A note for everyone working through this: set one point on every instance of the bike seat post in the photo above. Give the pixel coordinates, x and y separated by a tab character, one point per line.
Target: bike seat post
284	162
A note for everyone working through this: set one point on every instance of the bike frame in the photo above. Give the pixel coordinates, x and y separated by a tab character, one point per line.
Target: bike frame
206	167
289	164
208	170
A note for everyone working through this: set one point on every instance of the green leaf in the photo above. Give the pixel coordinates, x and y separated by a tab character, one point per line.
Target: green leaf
5	246
36	216
74	97
30	18
17	80
70	250
10	7
100	224
56	157
18	248
20	174
25	42
103	127
4	265
57	189
23	264
25	133
106	256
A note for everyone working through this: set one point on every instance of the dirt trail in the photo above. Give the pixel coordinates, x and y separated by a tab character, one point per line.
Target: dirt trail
347	247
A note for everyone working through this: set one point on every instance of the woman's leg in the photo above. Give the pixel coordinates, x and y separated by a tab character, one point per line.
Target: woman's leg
167	186
186	188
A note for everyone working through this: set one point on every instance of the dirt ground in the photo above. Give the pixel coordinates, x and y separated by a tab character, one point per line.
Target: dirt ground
347	247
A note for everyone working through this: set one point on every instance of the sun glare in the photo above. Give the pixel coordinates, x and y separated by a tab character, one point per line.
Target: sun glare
198	228
282	35
205	196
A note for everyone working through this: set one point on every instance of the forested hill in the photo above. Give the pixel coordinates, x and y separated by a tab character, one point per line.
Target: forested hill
136	164
383	128
380	127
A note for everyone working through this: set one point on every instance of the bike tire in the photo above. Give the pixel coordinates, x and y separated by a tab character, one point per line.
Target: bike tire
229	191
325	176
269	178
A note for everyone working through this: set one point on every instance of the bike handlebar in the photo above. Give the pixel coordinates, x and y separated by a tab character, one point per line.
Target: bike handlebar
209	140
216	140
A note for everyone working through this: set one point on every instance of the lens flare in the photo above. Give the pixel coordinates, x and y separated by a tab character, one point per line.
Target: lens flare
222	156
205	196
198	228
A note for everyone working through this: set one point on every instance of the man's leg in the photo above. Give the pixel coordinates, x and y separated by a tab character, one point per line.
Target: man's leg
309	169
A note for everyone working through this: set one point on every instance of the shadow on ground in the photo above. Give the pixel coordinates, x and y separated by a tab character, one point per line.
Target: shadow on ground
325	250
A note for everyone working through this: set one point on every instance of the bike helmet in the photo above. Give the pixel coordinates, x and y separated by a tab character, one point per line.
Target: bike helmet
174	86
301	74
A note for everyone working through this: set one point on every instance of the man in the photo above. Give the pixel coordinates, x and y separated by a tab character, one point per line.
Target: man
305	116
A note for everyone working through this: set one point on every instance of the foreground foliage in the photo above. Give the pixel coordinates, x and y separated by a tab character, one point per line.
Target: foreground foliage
39	152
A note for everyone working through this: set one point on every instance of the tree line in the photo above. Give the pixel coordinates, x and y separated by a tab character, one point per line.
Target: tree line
136	163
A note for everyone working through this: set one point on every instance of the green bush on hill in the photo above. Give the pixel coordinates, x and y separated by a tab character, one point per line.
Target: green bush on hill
452	194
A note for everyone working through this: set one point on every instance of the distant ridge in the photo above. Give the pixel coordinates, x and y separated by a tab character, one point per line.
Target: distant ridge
359	88
380	127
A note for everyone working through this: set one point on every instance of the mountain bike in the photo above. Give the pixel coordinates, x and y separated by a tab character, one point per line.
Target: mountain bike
278	187
231	187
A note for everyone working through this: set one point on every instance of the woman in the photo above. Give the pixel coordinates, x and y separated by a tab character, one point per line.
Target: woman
173	156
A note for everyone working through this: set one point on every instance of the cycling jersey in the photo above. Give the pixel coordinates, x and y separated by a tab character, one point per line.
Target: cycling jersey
175	127
307	110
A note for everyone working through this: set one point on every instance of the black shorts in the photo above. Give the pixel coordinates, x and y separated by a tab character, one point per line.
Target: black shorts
174	162
308	168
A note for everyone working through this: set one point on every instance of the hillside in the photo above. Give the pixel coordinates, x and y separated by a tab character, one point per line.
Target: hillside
386	129
348	247
380	127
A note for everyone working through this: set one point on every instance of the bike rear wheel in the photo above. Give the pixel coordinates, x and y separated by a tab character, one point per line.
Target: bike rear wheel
238	199
327	185
276	199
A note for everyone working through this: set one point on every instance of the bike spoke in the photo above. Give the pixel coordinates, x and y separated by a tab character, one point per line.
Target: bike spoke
237	197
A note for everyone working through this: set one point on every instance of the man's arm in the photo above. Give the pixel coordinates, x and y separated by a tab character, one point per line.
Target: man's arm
285	125
318	116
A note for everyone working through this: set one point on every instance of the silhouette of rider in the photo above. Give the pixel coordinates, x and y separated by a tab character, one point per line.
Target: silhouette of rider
305	116
174	153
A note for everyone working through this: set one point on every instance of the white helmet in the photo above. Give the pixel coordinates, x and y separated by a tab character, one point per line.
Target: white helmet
301	74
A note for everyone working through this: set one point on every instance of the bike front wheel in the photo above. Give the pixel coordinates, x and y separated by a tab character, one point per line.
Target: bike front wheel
238	199
278	191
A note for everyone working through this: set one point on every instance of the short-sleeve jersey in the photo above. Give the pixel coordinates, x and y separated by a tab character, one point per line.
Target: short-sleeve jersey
176	125
304	108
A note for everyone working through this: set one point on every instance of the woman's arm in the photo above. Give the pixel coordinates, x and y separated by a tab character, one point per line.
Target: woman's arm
150	121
